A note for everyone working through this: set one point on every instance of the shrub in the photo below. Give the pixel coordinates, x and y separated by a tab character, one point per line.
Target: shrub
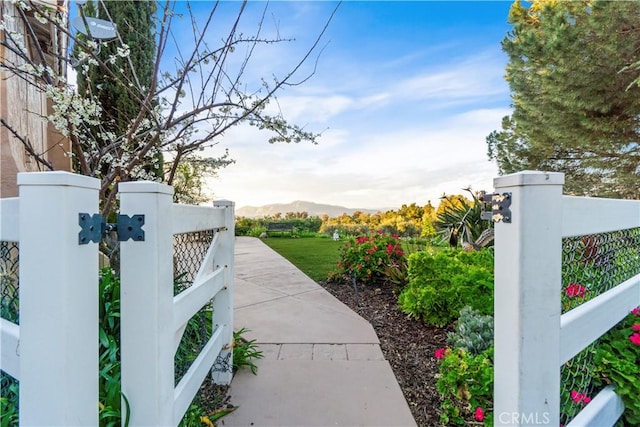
618	362
466	387
370	258
441	284
474	332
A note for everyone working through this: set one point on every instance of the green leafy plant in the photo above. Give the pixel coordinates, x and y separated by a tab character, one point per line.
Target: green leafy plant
109	395
245	351
9	403
442	283
474	332
466	387
368	258
618	362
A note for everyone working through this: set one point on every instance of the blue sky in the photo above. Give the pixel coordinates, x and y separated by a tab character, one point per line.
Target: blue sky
404	94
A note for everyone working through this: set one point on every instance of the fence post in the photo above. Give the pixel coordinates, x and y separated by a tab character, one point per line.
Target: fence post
528	264
146	291
223	302
58	301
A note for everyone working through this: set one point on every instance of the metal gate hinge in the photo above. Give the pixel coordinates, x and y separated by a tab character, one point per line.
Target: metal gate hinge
95	227
495	207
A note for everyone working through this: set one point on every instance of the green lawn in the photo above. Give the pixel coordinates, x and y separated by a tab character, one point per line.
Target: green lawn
315	256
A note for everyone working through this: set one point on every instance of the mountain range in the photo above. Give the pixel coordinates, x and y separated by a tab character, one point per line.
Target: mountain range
313	209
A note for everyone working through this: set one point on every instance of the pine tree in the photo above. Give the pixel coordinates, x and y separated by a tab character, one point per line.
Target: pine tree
575	108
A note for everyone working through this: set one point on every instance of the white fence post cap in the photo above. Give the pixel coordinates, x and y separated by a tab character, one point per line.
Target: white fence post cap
58	178
144	187
529	178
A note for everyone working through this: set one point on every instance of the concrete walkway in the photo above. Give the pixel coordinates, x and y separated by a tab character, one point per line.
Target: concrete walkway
323	365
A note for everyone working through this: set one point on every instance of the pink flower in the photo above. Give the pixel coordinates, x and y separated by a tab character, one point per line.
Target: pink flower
479	414
439	354
636	327
636	311
575	290
635	339
579	397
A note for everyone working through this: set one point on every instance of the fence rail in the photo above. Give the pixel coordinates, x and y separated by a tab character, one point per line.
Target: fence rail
533	339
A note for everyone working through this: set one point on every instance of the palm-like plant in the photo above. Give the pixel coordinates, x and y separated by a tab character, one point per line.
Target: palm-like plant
460	219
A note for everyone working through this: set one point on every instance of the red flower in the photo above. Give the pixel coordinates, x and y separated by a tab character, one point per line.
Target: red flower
390	248
575	290
579	397
440	353
362	239
635	339
636	327
636	311
479	414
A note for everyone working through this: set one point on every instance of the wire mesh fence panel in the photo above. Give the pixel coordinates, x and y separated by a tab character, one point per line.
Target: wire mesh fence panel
189	251
591	265
9	310
9	281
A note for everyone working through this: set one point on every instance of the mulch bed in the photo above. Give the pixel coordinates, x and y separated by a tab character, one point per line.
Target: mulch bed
407	344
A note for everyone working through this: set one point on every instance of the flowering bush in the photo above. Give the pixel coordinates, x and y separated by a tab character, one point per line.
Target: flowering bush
465	386
618	363
369	258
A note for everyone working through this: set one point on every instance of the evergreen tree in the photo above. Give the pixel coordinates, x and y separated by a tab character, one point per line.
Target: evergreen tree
134	21
575	108
131	57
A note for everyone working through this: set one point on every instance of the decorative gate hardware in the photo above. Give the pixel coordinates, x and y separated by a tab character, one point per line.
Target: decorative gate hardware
495	207
95	227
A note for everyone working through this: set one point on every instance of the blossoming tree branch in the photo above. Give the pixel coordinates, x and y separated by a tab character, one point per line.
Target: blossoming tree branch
131	117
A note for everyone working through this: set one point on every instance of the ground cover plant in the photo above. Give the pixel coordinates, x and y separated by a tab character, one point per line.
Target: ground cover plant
618	362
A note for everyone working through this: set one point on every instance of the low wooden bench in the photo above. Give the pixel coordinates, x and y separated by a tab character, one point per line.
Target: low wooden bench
280	227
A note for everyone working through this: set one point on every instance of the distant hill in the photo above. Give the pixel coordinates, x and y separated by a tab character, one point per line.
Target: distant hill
313	209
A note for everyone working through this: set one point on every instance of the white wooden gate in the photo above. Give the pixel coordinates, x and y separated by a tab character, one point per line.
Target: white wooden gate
53	352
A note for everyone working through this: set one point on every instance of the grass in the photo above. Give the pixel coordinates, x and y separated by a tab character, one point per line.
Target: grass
315	256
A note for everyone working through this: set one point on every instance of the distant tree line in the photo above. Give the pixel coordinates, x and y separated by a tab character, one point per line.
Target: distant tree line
410	220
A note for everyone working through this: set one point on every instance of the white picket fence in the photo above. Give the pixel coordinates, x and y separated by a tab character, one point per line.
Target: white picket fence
54	351
532	338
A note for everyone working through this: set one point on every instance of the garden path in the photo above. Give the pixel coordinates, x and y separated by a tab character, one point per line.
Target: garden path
322	362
